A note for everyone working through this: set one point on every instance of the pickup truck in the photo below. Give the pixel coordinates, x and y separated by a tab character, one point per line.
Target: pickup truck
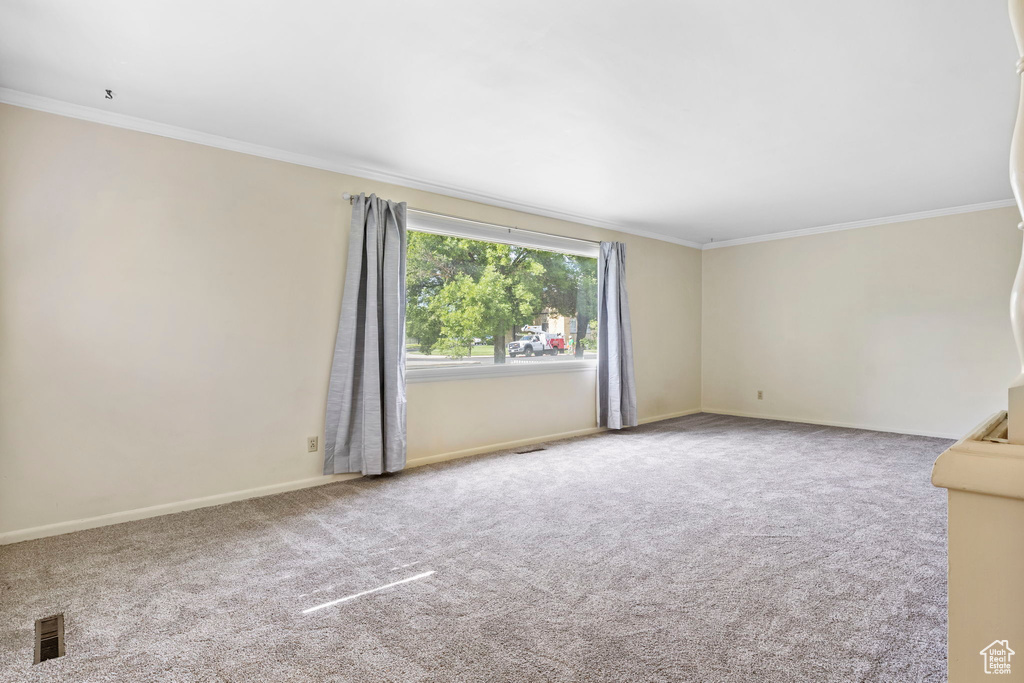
536	344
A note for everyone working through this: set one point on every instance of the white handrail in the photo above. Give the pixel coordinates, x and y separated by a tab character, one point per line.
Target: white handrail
1016	392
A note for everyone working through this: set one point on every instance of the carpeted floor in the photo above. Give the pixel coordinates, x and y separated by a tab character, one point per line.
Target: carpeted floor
706	548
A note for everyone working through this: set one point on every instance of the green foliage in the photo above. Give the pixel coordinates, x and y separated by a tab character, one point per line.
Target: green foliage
570	284
571	290
460	289
453	348
459	313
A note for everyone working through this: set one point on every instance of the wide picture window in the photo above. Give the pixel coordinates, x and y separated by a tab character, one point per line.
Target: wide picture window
484	299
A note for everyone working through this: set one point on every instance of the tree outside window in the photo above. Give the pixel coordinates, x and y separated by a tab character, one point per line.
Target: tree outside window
468	300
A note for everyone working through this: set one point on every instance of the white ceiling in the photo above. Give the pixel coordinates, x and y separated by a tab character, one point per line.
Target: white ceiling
695	119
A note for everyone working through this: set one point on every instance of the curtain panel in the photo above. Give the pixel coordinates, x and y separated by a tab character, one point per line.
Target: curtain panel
365	421
616	383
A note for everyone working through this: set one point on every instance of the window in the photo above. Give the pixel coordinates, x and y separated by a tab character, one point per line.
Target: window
484	299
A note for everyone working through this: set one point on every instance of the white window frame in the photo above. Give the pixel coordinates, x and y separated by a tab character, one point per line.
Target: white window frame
439	224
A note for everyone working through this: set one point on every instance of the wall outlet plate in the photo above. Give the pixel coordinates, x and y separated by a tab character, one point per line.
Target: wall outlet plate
760	395
313	444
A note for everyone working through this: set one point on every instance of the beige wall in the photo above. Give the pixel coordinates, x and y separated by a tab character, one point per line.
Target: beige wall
167	315
901	327
167	318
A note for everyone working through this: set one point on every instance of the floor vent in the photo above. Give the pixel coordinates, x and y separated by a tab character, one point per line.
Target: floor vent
532	450
49	638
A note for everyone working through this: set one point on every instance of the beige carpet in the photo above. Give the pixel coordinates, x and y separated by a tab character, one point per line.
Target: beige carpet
705	548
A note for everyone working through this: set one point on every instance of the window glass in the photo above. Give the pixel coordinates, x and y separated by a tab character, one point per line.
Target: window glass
474	303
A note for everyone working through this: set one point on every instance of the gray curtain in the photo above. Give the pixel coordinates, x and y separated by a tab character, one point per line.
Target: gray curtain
365	424
616	383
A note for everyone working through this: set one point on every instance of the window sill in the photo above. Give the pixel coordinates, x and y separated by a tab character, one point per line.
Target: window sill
422	375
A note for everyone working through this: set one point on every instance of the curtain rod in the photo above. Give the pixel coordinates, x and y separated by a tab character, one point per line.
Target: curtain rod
350	197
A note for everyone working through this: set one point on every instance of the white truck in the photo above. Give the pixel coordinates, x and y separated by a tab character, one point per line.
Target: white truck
536	342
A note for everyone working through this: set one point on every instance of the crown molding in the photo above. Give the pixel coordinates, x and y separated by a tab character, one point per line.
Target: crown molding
109	118
853	225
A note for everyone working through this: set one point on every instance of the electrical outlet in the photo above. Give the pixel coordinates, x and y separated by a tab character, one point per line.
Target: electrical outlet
760	395
313	444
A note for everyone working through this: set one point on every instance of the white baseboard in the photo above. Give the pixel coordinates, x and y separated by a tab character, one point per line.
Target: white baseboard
165	509
454	455
505	445
669	416
829	423
219	499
